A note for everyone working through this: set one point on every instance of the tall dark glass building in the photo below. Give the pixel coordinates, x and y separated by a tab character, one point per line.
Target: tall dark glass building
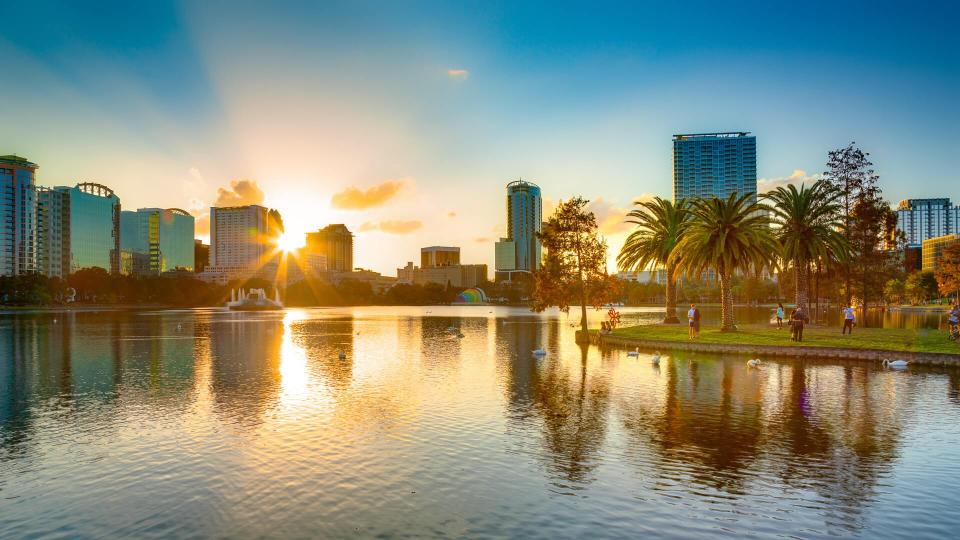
18	216
714	164
520	250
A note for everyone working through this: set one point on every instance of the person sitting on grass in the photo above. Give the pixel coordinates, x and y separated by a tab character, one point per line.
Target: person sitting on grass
691	315
849	319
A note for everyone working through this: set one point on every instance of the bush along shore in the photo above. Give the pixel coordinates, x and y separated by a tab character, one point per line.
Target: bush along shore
919	346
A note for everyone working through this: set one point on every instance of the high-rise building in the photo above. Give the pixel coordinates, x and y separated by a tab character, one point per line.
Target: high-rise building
78	227
933	250
922	219
53	232
156	240
243	238
714	164
335	242
524	221
201	255
439	256
18	217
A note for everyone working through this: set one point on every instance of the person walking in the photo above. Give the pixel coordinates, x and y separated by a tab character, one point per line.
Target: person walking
691	315
779	316
799	318
696	322
849	319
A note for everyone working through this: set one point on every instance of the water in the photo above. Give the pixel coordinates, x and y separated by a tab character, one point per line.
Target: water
213	424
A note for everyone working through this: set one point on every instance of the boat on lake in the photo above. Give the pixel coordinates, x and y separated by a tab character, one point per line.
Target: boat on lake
253	300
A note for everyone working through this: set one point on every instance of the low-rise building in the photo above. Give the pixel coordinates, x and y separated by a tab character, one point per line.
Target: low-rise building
933	250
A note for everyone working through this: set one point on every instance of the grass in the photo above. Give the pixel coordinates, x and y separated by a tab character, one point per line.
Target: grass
889	339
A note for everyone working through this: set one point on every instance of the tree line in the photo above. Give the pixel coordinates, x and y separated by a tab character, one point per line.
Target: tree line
835	238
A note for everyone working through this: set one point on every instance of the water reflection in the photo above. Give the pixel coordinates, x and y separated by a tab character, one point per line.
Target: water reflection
420	431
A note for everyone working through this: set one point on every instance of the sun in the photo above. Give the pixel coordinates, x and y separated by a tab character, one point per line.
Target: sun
288	242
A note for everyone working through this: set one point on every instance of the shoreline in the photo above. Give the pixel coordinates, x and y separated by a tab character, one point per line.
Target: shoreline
916	346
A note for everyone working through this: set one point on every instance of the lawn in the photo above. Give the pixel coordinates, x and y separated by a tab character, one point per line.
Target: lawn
891	339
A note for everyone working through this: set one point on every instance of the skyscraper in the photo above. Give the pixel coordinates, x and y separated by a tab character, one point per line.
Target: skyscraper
335	242
243	238
922	219
155	240
714	164
78	227
18	217
524	220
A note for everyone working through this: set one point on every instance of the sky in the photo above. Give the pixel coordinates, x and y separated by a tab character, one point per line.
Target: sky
405	120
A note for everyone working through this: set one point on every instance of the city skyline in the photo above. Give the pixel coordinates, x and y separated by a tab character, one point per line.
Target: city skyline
335	114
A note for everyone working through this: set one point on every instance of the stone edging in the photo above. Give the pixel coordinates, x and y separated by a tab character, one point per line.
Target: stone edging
930	359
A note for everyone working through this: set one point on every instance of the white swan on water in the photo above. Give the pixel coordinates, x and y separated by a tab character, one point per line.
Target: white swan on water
896	364
635	352
540	352
754	362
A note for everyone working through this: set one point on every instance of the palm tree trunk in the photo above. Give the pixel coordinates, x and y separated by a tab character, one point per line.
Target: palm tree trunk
800	269
670	317
726	303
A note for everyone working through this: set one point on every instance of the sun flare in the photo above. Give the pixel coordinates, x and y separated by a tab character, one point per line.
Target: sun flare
288	242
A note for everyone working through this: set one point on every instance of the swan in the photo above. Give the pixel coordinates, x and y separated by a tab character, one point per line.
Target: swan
635	352
179	327
755	362
342	355
656	358
540	352
896	364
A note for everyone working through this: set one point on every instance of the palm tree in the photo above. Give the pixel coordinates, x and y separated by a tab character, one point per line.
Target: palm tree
659	224
808	227
726	235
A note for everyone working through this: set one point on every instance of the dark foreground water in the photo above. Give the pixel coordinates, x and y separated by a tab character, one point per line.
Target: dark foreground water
214	424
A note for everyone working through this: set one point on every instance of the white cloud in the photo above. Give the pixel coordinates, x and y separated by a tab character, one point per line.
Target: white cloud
799	177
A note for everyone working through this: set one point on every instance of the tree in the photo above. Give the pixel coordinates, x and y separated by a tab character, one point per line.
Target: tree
659	224
948	271
575	264
921	286
808	229
894	291
872	233
850	172
726	235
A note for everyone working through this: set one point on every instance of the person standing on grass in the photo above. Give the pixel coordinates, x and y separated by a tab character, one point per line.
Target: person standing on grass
691	316
779	316
849	319
799	318
696	322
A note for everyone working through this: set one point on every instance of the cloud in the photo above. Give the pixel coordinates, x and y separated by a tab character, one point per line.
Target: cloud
482	240
391	226
798	177
240	193
458	74
356	199
451	214
610	217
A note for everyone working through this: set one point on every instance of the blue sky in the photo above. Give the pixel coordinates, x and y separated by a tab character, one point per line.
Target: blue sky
169	103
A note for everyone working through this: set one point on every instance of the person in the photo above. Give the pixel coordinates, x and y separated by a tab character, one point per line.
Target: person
696	322
848	320
954	321
691	316
779	316
799	317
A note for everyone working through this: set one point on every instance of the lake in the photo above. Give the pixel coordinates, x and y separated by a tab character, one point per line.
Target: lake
206	423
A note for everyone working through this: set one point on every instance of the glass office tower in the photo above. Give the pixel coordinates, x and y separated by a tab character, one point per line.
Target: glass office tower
709	165
94	227
155	240
18	217
524	220
922	219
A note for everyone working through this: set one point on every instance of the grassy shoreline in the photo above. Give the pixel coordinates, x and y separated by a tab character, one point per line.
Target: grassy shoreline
886	339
